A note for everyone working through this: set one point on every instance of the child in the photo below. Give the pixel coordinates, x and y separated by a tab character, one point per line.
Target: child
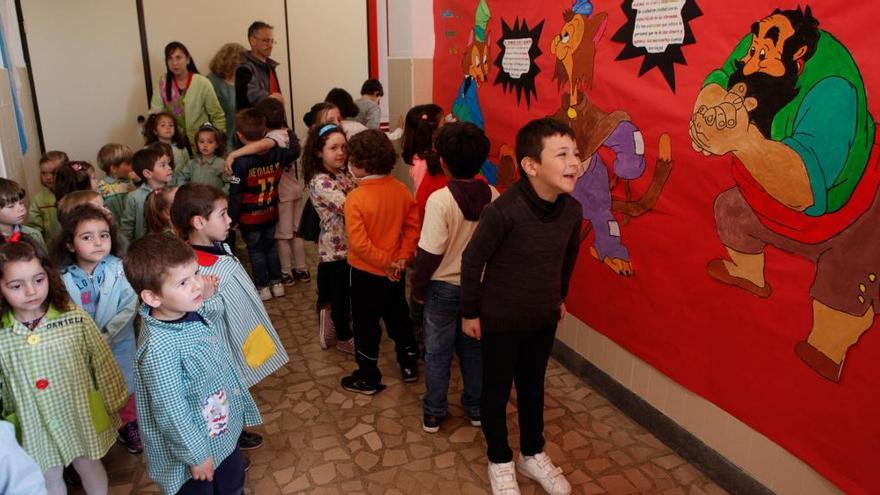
322	112
192	405
418	142
84	197
115	160
161	127
42	213
515	308
13	212
253	201
347	109
207	168
60	379
74	176
381	221
450	220
155	171
369	113
291	248
86	251
200	215
324	167
157	211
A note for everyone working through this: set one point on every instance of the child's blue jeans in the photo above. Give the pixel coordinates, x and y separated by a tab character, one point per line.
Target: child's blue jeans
441	323
263	252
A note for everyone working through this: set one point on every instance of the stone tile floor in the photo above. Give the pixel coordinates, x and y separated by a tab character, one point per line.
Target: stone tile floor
321	439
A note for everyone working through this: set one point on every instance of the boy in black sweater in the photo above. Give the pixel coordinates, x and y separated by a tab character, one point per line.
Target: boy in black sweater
525	248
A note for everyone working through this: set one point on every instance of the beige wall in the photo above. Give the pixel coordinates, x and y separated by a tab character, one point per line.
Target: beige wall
206	25
328	48
89	82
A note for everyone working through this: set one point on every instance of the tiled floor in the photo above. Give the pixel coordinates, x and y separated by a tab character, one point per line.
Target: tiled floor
322	439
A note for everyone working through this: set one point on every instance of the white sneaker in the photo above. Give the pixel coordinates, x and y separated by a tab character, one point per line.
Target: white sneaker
326	330
541	469
278	289
502	476
265	293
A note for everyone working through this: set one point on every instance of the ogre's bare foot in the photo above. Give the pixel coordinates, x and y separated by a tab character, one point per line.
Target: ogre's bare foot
617	265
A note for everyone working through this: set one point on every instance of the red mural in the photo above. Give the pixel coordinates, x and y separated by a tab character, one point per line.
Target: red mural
730	192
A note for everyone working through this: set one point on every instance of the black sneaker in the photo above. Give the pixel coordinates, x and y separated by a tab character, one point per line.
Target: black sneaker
361	386
409	372
431	424
130	438
475	420
249	440
302	276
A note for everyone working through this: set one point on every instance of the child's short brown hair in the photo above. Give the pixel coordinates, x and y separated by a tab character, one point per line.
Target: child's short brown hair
149	259
530	138
113	155
74	199
251	124
193	200
10	192
54	156
371	150
145	159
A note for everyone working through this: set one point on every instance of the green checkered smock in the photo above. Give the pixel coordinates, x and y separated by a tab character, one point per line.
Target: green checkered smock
191	401
238	311
46	375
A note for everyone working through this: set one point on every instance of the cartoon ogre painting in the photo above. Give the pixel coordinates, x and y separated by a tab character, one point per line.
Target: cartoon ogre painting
789	105
575	49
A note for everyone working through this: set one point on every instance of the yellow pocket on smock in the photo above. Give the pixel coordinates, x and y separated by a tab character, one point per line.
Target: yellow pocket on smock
100	418
258	347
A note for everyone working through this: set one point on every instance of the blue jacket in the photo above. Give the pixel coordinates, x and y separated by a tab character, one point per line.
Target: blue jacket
116	307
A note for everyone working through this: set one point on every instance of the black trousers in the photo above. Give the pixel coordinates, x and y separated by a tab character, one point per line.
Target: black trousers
228	479
333	289
520	358
374	298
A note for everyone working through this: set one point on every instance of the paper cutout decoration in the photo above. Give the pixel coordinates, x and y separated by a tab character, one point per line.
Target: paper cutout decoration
656	30
516	60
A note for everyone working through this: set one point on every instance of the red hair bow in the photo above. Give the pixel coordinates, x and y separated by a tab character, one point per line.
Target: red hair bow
15	237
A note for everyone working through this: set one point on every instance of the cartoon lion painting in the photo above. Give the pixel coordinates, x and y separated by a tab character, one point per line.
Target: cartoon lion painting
575	49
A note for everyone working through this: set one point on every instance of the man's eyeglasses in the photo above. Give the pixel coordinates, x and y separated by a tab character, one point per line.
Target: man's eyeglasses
268	41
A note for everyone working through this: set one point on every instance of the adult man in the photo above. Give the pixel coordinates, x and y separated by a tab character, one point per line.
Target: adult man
790	106
255	77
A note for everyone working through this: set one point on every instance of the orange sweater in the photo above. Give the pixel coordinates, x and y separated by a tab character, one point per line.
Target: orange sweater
382	223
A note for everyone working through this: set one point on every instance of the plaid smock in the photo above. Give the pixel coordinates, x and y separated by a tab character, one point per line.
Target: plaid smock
191	402
45	378
241	316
